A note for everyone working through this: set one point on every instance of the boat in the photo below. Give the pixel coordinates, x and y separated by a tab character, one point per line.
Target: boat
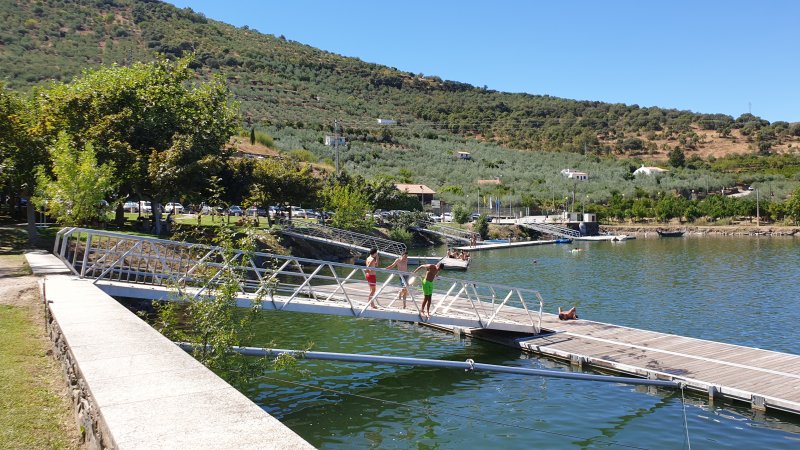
454	263
563	241
670	233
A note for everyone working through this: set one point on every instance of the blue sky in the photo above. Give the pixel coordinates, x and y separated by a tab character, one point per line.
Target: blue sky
705	56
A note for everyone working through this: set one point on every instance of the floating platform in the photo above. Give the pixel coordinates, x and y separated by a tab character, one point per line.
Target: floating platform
767	380
483	247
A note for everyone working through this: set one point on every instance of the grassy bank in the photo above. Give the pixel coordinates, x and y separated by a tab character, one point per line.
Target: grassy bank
35	411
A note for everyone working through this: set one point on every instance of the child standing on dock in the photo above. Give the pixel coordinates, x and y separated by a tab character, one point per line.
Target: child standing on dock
427	286
401	264
370	275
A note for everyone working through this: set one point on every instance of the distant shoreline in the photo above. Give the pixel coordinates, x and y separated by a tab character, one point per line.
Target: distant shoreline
723	230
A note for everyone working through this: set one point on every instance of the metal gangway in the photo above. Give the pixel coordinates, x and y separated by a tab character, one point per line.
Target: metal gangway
343	238
157	269
452	233
551	228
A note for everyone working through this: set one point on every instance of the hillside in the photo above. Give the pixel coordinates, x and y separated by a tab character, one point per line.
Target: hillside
295	92
287	84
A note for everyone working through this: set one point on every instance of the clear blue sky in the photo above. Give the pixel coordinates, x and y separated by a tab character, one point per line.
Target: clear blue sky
704	56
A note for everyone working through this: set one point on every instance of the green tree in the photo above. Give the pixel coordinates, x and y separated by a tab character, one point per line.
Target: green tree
77	190
20	152
350	205
460	213
481	226
792	206
677	158
283	181
165	131
252	136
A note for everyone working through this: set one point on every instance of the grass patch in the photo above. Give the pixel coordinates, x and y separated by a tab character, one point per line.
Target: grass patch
31	414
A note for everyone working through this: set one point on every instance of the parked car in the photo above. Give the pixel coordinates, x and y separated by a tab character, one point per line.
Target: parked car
447	217
175	208
145	207
235	210
254	210
298	212
206	209
132	207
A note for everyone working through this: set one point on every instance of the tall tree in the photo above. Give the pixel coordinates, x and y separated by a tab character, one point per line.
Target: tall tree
283	181
20	151
165	131
76	192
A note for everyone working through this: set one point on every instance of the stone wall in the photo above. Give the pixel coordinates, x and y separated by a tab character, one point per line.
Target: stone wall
94	431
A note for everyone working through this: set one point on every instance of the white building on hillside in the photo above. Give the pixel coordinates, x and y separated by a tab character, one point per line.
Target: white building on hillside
650	171
575	175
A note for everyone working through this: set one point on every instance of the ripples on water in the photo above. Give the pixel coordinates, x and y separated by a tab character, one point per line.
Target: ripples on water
711	288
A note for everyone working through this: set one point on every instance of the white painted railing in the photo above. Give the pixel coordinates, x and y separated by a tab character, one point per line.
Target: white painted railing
145	267
346	238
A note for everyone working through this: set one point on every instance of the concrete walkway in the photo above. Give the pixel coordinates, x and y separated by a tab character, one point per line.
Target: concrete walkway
148	393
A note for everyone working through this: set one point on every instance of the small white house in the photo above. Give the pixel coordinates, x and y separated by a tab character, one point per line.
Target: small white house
387	122
575	175
334	140
650	171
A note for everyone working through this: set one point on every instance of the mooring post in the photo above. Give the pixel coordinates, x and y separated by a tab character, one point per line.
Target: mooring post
758	403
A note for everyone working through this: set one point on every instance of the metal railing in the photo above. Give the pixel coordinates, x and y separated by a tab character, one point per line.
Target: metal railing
453	233
350	239
551	228
145	267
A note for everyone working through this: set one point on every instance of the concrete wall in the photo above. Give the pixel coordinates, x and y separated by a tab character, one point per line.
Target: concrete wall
134	388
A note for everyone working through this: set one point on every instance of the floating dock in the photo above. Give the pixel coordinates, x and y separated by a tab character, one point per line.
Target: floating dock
767	380
483	247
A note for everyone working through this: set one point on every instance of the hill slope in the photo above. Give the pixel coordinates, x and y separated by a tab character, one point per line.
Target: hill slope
287	84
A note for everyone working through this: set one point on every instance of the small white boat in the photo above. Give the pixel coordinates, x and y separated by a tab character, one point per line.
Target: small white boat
454	263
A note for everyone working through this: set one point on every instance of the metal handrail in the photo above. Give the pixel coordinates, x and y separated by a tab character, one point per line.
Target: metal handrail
290	283
385	246
550	228
449	232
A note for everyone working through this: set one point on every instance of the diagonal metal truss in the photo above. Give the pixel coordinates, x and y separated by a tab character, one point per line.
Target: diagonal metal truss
551	228
144	267
350	239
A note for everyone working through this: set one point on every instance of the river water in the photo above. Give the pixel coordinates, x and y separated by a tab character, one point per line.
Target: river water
730	289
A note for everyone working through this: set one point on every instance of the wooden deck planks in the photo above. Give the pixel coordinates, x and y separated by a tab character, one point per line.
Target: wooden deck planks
745	370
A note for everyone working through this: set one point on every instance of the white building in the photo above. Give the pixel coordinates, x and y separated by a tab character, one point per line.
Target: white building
387	122
333	140
650	171
575	175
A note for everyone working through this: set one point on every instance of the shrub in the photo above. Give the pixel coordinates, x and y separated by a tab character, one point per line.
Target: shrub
401	235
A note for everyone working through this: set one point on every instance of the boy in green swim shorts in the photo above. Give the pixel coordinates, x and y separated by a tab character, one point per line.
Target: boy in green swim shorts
427	286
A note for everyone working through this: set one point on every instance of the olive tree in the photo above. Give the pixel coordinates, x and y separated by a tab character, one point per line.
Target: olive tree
164	130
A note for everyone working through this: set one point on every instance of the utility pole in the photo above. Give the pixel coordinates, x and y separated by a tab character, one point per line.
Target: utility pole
336	143
758	211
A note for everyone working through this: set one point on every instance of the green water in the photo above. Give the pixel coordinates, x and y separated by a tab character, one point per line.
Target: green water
737	290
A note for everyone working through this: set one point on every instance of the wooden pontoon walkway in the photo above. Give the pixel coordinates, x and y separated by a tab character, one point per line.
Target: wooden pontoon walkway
765	379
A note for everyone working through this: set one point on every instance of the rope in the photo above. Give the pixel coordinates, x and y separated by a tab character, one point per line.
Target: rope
454	412
685	423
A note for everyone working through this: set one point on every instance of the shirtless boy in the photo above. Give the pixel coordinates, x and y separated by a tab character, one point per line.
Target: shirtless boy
401	264
427	286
